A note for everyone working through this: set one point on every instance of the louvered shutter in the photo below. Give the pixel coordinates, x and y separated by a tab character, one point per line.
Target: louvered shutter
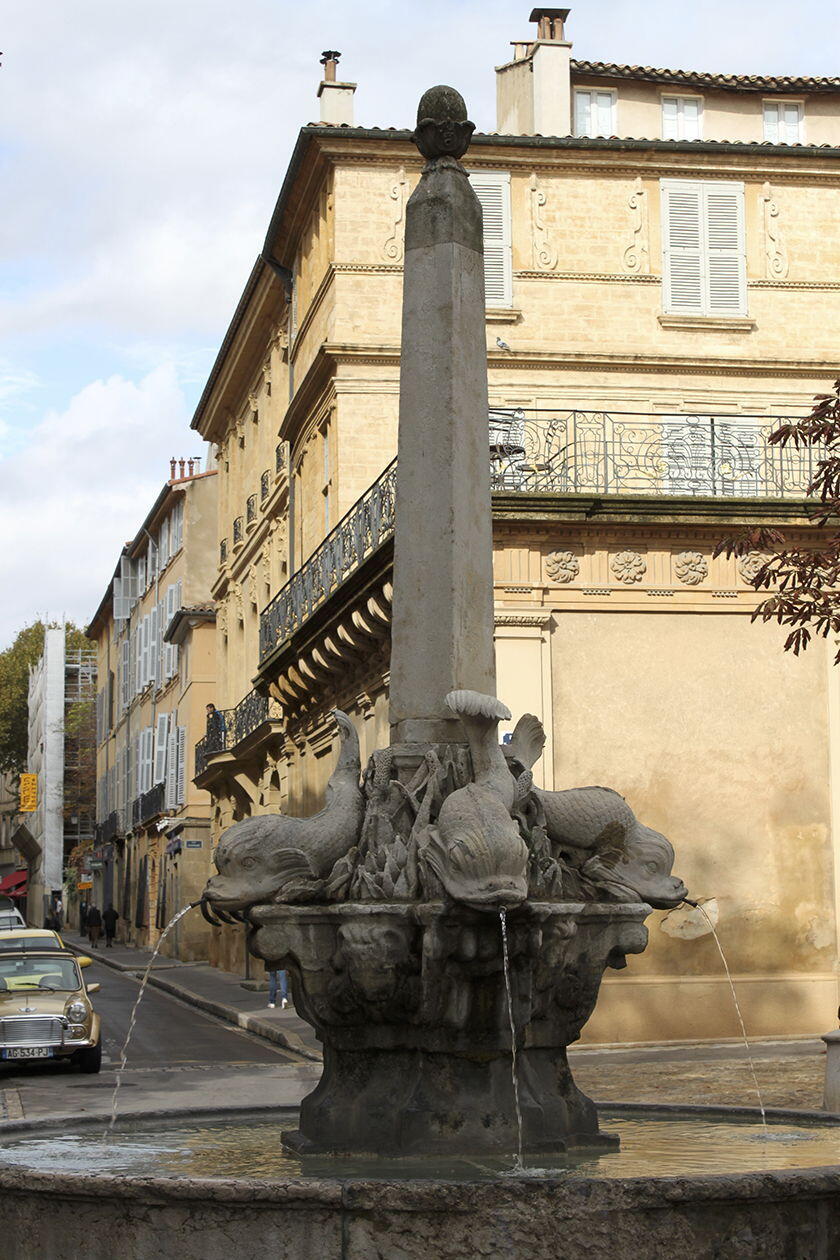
163	558
172	768
125	673
161	736
670	118
99	717
136	762
493	191
154	646
171	593
182	765
682	248
726	264
120	601
148	756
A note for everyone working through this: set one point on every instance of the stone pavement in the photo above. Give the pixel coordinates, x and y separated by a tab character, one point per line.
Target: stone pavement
220	993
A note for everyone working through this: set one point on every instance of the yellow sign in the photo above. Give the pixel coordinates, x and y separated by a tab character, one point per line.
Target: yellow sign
83	885
28	793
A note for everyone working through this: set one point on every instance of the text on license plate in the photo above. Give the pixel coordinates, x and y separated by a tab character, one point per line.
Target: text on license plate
28	1052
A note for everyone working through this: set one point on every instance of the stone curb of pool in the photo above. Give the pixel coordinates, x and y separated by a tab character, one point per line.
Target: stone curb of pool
254	1024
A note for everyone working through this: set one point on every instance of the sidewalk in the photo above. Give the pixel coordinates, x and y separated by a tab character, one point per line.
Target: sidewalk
218	992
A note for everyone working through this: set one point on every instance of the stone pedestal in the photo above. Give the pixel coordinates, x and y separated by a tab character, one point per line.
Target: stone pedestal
410	1003
831	1091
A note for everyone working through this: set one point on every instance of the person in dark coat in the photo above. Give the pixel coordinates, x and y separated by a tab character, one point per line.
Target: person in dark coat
94	926
83	911
109	922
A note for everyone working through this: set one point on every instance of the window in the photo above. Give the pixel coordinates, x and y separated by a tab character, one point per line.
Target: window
703	254
783	122
594	113
493	191
682	117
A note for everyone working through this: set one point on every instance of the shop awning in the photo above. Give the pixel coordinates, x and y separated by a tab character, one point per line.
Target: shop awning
14	885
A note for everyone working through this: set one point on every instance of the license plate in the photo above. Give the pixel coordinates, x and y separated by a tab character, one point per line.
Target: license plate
29	1052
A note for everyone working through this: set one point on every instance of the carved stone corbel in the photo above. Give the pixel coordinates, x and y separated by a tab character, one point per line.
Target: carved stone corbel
545	254
775	253
637	253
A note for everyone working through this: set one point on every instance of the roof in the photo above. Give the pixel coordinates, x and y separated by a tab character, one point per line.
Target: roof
185	618
699	78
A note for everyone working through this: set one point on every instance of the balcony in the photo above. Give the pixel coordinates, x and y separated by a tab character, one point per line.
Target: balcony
111	828
591	454
148	805
231	729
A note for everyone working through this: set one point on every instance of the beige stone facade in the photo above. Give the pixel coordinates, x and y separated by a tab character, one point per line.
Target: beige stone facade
629	413
154	631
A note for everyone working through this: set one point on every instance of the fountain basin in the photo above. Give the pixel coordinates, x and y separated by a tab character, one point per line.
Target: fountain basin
410	1002
767	1207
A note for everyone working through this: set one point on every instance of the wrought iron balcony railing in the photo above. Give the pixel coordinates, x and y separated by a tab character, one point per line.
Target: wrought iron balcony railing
570	452
229	727
148	804
112	827
368	524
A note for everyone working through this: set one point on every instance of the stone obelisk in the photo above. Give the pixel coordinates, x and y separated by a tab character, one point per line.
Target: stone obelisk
442	629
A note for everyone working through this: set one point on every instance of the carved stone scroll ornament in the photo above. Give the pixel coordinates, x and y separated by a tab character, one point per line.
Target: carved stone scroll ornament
545	254
637	253
562	566
691	567
394	246
628	567
776	260
222	617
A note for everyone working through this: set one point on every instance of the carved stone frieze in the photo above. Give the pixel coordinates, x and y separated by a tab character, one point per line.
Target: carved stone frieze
776	260
562	566
628	567
637	253
394	246
691	567
545	253
238	603
222	617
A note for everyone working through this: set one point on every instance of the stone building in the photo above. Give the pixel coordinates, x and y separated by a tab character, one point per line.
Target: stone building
154	635
663	285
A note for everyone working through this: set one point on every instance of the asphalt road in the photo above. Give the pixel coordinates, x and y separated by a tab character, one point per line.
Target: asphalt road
177	1056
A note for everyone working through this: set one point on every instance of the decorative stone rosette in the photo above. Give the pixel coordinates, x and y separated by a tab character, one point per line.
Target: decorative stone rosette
562	566
691	567
628	567
749	565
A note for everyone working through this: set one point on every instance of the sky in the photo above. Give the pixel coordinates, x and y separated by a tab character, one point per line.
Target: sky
142	147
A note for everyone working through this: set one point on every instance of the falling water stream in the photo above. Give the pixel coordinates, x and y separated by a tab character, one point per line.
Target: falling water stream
518	1164
175	919
697	906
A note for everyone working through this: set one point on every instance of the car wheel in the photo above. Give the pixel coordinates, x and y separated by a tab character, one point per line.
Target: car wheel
90	1060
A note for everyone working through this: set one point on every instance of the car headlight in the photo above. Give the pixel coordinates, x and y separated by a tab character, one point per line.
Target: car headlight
76	1030
77	1012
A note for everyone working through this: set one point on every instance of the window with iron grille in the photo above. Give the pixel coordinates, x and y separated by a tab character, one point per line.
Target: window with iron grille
251	509
223	551
265	484
237	530
278	457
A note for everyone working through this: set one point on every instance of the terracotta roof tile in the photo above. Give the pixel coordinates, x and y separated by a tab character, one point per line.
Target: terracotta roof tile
696	78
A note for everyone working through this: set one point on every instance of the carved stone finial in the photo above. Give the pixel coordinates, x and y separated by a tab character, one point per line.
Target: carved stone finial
443	129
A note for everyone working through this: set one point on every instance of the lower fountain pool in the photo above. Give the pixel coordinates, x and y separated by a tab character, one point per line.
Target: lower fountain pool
249	1146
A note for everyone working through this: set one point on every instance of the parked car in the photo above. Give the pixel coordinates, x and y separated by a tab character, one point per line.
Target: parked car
10	918
36	938
45	1009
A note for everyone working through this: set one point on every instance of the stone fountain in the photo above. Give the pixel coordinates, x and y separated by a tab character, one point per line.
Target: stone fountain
388	908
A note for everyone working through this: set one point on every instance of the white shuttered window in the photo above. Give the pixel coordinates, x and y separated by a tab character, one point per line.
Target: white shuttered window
161	737
703	251
493	191
783	122
682	117
595	113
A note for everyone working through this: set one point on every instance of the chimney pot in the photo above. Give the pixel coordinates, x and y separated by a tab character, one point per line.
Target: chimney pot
181	468
550	23
329	60
190	467
336	98
197	462
172	468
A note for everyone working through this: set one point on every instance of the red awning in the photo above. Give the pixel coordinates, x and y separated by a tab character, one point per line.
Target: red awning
14	885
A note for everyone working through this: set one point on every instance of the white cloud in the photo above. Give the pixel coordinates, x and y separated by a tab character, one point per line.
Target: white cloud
81	488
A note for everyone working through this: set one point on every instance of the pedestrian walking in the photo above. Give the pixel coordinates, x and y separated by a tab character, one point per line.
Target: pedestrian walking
109	922
94	925
277	980
83	912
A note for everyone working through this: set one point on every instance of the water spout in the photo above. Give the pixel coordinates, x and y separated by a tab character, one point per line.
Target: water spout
114	1097
698	906
518	1164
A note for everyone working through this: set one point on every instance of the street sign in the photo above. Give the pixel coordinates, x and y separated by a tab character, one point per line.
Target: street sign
28	793
84	885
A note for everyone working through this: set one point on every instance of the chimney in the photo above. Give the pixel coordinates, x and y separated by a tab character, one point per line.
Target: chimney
190	465
172	468
533	92
336	98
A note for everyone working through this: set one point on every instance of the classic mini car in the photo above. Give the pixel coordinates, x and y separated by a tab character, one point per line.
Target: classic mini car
11	919
34	938
45	1010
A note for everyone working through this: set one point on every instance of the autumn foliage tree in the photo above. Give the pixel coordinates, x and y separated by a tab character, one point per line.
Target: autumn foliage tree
805	580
